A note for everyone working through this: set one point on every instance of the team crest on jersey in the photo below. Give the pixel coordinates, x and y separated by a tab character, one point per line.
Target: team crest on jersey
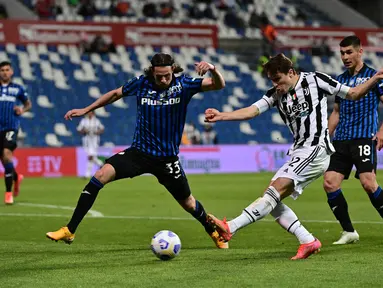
13	90
361	80
174	89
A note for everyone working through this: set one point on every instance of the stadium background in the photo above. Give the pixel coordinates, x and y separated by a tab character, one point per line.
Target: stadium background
48	51
49	42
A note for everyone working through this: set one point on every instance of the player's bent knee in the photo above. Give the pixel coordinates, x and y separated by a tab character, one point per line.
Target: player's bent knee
283	186
329	186
368	181
331	183
105	174
7	155
369	186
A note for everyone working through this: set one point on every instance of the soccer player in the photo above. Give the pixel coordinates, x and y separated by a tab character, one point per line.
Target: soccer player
356	139
91	129
11	93
162	100
301	101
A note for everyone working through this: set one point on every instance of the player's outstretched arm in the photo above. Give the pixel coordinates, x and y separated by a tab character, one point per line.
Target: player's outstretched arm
213	115
334	119
104	100
215	82
356	93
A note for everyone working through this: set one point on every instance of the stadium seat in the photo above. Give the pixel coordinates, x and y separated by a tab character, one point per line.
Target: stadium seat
245	128
108	144
21	134
101	112
238	92
227	108
64	79
277	137
28	114
120	104
51	140
94	92
43	102
276	119
61	130
234	102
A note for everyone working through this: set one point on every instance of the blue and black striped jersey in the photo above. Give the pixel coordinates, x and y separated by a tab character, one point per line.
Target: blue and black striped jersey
9	95
161	113
358	119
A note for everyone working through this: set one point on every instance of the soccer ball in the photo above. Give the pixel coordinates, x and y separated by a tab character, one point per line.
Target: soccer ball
166	245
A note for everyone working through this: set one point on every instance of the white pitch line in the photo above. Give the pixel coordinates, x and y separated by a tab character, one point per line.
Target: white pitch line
164	218
94	213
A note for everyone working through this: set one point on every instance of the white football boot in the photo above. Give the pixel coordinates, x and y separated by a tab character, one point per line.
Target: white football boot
347	238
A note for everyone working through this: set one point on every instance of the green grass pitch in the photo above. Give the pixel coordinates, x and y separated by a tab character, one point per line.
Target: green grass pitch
113	251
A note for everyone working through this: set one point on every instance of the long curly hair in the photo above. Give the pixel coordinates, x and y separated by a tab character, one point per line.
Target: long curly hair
161	60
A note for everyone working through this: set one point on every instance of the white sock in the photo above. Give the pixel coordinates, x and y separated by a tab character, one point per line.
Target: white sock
89	168
289	221
97	161
256	210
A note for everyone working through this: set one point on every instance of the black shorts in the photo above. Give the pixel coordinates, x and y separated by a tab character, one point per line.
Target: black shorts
131	163
8	139
358	152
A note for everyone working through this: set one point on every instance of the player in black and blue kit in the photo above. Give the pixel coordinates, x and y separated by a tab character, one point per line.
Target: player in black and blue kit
162	100
356	139
10	94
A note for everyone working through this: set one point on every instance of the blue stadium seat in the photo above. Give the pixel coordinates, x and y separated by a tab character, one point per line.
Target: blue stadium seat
119	119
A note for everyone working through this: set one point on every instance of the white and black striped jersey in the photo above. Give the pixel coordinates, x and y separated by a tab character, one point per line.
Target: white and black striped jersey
304	108
92	126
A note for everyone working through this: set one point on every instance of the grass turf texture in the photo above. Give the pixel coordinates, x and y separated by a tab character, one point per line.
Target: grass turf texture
113	251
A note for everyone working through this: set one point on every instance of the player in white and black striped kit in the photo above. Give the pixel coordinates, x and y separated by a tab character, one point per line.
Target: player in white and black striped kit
91	129
302	104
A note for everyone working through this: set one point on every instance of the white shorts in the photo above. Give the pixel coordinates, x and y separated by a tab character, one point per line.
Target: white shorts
91	149
305	165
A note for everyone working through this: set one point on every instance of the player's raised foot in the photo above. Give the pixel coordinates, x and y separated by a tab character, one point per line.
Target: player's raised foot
347	238
8	198
16	184
305	250
62	234
221	226
221	244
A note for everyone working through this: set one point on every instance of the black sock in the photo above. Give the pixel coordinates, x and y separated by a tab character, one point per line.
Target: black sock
15	175
339	207
85	202
376	199
8	176
200	214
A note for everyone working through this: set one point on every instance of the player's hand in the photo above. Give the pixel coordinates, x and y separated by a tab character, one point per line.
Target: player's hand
379	140
379	74
202	67
75	113
212	115
18	110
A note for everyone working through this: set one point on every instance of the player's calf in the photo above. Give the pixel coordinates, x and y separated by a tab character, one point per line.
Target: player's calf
376	199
